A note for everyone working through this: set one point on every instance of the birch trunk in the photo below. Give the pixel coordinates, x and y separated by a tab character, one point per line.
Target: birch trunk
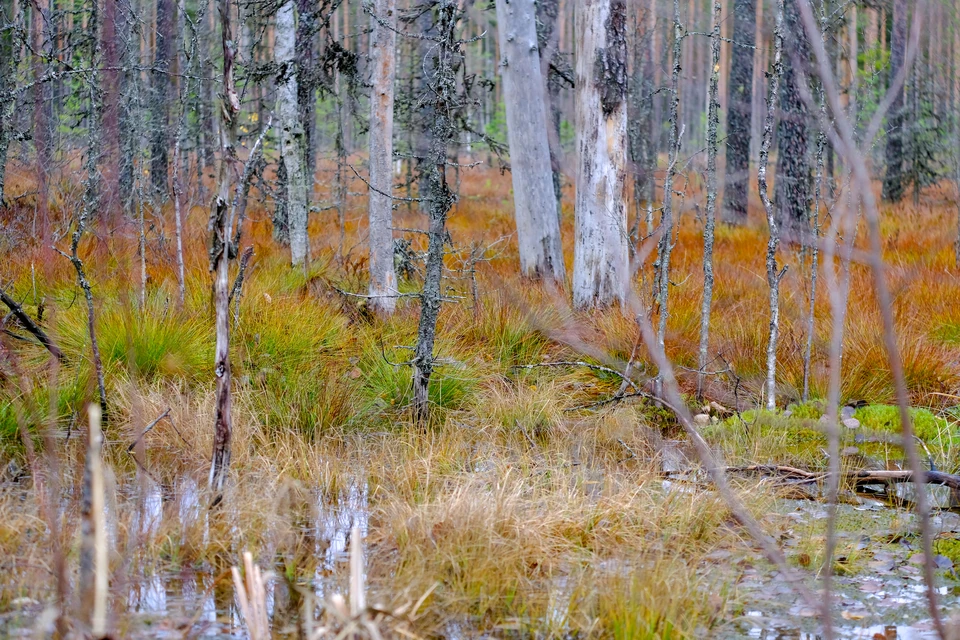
535	204
601	259
773	275
291	133
665	245
713	122
383	47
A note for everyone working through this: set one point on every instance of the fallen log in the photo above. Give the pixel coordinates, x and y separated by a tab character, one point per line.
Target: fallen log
27	322
858	477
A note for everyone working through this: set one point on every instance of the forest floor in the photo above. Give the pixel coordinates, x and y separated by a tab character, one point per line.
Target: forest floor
522	511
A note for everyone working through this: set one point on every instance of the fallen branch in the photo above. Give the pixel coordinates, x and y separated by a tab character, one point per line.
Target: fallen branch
579	363
148	428
31	326
859	477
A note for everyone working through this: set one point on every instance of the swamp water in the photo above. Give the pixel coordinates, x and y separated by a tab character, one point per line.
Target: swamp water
878	589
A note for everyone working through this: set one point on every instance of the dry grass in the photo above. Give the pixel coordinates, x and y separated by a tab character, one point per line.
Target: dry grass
516	515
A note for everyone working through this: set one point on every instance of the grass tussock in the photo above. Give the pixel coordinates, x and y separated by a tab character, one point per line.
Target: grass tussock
518	512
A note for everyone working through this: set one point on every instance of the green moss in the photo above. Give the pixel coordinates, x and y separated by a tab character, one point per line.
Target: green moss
948	547
926	425
811	410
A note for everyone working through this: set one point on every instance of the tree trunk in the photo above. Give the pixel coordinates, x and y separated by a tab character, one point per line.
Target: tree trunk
661	281
601	270
535	205
893	178
383	48
440	91
739	112
291	134
41	120
713	123
110	163
162	69
773	274
220	254
306	87
793	184
548	37
8	67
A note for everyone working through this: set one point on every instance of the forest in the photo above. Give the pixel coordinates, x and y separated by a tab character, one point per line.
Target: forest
480	319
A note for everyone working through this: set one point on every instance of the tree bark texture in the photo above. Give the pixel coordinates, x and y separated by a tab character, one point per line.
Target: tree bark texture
383	49
535	204
443	65
166	46
893	187
740	111
601	259
773	275
220	250
291	134
793	182
713	123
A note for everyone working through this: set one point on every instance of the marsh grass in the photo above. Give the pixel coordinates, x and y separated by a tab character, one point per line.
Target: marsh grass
517	511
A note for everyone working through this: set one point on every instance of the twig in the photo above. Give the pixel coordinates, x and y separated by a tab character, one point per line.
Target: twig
148	428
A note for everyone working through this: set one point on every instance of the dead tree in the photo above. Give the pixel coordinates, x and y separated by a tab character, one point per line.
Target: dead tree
792	184
161	85
661	282
774	274
535	205
601	256
739	111
41	117
292	146
713	123
893	187
383	46
445	63
221	253
88	206
11	41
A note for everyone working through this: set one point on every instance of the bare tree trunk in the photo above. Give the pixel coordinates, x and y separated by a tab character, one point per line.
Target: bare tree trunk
893	179
548	37
665	245
440	87
601	271
178	218
291	135
41	125
535	205
817	195
94	559
383	48
306	86
9	63
739	111
792	185
110	166
220	255
773	274
161	94
713	122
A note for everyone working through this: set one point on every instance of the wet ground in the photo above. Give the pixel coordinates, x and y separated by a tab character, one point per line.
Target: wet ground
879	590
